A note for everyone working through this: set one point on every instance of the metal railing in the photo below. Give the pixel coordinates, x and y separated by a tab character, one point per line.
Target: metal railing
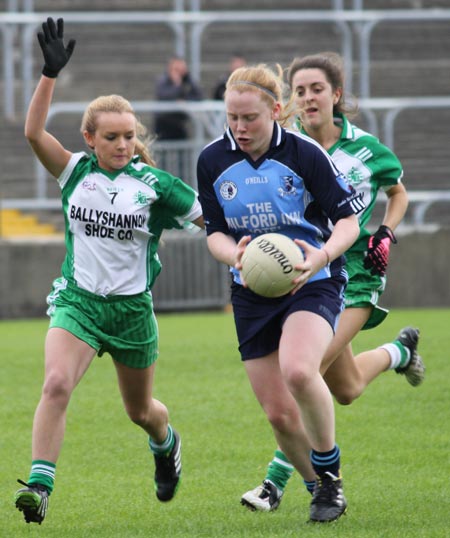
208	118
197	21
391	107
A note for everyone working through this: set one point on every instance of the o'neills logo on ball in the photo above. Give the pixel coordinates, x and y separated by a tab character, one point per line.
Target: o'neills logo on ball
270	249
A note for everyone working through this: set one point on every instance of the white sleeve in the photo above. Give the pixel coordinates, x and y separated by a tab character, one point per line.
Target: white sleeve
194	213
65	174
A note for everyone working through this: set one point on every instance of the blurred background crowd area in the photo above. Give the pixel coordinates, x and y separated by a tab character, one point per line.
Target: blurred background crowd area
394	50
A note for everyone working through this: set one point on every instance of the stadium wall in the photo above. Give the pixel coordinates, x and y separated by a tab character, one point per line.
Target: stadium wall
192	280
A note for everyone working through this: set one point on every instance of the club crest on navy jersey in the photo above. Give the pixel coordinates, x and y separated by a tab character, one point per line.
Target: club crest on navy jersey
287	186
228	190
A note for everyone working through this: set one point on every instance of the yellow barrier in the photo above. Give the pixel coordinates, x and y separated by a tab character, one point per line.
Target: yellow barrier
14	223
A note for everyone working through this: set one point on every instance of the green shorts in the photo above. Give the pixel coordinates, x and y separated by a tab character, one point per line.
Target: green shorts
123	326
364	289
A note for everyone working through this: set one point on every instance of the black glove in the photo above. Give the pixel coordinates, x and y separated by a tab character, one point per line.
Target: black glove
378	252
56	55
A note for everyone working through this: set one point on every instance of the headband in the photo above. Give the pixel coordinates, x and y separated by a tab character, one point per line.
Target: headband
256	85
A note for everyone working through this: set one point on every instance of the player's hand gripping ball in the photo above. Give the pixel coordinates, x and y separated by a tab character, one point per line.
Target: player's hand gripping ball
268	264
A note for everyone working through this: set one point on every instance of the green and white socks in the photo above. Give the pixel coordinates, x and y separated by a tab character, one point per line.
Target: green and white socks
43	472
279	470
398	353
166	446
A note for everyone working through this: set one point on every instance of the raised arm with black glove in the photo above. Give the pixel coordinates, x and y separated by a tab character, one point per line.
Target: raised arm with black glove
378	252
56	55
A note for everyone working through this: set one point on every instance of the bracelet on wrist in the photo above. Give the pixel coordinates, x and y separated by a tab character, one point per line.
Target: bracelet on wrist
325	251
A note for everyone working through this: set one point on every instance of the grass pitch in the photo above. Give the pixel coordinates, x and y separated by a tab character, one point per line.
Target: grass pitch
394	439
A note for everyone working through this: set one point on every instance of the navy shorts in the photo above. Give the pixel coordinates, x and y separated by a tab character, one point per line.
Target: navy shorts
259	320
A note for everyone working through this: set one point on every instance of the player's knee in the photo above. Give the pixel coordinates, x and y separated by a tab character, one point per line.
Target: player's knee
138	416
297	380
346	395
281	419
57	389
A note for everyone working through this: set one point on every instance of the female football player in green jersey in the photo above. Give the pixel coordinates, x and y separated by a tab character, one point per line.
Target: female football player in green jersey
317	82
116	204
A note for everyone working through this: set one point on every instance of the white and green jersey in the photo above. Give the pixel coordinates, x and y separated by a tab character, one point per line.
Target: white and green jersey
369	166
114	222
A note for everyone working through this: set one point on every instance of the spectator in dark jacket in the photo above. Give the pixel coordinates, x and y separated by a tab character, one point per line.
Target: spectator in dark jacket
175	84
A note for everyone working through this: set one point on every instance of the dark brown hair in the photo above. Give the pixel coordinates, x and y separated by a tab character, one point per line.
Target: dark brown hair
331	64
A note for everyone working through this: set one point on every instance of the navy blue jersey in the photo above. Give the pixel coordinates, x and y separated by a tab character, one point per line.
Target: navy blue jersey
294	189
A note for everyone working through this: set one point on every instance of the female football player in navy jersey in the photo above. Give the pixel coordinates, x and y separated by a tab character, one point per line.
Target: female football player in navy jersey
116	205
260	178
317	82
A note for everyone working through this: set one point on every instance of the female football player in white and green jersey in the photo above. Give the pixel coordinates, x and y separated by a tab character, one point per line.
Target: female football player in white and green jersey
116	204
317	82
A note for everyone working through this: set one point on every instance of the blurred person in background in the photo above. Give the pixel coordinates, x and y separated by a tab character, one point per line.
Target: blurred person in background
317	82
236	61
176	84
116	204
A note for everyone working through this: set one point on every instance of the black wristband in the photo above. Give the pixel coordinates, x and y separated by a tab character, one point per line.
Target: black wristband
49	72
385	231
